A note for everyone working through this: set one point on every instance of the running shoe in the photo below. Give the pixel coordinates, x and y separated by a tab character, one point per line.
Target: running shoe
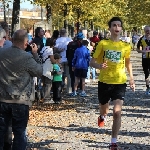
100	122
147	91
114	146
73	94
83	94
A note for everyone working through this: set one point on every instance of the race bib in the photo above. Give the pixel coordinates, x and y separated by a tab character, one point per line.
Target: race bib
113	56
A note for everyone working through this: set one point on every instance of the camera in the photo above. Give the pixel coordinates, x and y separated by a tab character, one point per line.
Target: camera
28	49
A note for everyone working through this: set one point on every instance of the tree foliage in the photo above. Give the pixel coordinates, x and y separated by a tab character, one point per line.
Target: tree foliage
135	13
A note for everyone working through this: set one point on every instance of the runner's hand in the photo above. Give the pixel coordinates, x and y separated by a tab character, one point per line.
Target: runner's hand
146	49
103	65
132	85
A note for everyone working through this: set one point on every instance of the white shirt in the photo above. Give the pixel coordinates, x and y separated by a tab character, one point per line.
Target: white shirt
62	43
89	45
123	38
127	39
47	65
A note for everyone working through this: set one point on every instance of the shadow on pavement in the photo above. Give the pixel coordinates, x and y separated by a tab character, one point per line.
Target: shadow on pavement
92	130
42	145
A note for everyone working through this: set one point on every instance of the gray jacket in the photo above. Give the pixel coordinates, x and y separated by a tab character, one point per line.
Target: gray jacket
17	69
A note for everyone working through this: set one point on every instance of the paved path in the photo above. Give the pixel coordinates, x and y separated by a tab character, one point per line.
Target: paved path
73	125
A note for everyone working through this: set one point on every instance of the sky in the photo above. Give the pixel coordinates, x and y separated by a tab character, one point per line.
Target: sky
26	5
23	4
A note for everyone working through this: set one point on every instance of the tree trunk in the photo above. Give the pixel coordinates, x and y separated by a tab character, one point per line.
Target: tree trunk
15	16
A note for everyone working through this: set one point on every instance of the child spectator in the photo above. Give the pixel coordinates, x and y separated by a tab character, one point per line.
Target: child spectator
57	79
80	64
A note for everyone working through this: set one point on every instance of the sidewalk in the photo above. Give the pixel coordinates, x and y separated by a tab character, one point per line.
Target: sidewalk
73	125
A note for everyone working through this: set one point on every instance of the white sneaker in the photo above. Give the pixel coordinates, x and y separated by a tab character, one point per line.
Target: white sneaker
87	80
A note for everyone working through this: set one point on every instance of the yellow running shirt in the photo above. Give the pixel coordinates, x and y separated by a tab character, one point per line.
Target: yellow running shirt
114	53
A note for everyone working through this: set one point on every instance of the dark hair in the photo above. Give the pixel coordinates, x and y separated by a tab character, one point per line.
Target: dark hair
55	34
50	42
4	25
114	19
57	56
85	42
37	31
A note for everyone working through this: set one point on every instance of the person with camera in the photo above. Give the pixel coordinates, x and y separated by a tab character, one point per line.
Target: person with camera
17	69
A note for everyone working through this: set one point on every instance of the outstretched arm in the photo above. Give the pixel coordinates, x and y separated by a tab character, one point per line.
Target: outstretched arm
129	69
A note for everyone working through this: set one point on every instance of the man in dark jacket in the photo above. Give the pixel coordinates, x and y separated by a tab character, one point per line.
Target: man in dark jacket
17	69
72	46
38	40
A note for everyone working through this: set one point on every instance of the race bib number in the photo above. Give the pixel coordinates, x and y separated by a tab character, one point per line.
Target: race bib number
113	56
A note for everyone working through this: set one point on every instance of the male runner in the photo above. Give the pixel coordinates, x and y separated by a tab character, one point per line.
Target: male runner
112	56
144	43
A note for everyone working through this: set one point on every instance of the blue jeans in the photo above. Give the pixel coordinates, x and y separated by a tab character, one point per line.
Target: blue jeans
19	114
91	69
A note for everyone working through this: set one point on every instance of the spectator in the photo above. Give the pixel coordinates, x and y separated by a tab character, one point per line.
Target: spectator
80	64
95	38
48	59
94	41
55	34
47	33
17	69
57	79
7	42
30	34
127	38
135	39
38	39
107	35
71	47
101	36
7	139
61	43
2	37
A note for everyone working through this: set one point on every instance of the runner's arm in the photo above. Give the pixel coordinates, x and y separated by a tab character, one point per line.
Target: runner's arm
129	67
95	65
139	46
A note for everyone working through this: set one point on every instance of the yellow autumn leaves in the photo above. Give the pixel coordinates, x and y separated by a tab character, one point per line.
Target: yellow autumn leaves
133	12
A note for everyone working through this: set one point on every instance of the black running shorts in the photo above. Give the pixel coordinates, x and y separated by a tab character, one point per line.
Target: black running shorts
80	73
110	91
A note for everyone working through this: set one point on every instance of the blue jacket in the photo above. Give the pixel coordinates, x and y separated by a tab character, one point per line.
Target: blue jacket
81	58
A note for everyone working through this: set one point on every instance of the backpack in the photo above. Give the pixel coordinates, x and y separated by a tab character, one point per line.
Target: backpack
41	55
47	66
